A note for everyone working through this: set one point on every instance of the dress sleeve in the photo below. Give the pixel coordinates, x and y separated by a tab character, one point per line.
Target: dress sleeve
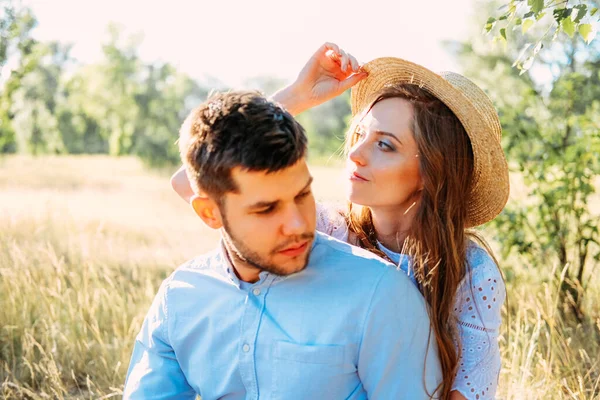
477	308
330	220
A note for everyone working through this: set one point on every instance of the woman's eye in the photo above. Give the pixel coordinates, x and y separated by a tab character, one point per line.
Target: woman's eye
384	146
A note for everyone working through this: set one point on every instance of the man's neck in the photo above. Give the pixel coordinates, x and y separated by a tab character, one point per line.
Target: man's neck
242	269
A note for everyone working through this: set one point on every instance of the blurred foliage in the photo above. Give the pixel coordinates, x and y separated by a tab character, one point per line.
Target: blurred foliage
551	136
51	104
541	22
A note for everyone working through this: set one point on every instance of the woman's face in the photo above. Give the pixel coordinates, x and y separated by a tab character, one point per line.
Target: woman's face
383	163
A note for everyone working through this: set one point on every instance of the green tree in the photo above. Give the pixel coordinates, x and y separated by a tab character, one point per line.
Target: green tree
120	84
34	102
551	134
79	115
16	45
548	18
164	99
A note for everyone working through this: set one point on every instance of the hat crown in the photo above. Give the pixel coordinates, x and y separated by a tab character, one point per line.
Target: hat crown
478	98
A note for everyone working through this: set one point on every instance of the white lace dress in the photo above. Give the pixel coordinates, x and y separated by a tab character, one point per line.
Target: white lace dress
477	310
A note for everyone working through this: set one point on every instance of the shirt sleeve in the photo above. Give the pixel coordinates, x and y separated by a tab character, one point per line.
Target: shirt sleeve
478	308
154	372
398	357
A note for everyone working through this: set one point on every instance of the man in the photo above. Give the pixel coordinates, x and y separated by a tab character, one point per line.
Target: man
278	311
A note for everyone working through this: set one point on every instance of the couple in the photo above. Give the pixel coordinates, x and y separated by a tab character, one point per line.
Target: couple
285	308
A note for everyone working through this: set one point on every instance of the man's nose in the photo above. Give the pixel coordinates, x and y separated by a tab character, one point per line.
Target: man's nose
294	223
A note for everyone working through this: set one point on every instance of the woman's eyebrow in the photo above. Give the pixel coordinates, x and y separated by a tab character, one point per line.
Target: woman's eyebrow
378	132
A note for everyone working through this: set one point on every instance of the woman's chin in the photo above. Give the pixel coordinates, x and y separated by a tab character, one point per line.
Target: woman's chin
355	197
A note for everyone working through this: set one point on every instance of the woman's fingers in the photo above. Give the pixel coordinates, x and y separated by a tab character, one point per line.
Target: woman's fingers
344	60
353	80
329	46
341	57
354	62
333	55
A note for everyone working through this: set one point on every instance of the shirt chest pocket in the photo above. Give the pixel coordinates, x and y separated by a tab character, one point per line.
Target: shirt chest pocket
303	371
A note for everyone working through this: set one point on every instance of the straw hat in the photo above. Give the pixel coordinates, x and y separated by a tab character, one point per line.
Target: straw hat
474	110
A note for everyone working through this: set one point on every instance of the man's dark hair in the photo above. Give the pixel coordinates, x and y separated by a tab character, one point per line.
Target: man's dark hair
237	129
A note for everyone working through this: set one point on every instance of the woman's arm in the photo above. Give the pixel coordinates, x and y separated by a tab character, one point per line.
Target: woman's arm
478	309
181	184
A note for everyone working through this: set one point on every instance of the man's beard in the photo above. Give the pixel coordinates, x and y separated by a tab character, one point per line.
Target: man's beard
250	257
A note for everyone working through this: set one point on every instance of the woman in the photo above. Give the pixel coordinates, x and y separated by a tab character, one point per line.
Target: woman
424	165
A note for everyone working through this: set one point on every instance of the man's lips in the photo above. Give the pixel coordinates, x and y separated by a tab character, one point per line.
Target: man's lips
295	249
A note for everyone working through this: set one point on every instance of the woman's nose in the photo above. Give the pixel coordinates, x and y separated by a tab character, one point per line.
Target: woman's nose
357	154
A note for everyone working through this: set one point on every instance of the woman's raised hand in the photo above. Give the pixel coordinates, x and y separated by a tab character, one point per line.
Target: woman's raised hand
327	74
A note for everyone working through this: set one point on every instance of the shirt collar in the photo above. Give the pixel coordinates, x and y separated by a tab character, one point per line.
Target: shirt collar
227	270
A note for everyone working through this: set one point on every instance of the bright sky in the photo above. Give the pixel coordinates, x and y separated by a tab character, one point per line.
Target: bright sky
236	39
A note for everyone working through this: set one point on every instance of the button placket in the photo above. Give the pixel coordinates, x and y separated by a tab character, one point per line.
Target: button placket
254	306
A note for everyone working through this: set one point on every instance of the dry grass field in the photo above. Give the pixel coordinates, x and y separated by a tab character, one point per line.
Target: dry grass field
86	241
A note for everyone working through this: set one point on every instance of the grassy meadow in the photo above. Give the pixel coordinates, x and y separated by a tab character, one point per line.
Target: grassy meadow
86	241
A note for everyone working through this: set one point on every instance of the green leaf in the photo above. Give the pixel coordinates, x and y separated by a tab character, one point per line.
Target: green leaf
536	5
503	33
490	24
526	65
540	16
518	21
593	12
561	13
568	26
528	23
529	14
581	11
586	32
502	18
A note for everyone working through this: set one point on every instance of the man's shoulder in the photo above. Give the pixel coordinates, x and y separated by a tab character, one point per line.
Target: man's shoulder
341	256
367	273
335	247
197	269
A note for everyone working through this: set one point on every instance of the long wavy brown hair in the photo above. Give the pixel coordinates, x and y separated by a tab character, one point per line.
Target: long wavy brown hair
437	239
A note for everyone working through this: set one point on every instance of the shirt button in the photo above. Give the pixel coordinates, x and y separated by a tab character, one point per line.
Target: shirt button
246	348
256	291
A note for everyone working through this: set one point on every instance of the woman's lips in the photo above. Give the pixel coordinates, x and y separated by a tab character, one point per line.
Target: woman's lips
357	177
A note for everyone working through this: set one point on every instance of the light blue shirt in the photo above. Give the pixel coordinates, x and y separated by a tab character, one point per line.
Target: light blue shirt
349	326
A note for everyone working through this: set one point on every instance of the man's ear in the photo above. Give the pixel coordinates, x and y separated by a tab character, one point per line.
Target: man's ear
207	209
